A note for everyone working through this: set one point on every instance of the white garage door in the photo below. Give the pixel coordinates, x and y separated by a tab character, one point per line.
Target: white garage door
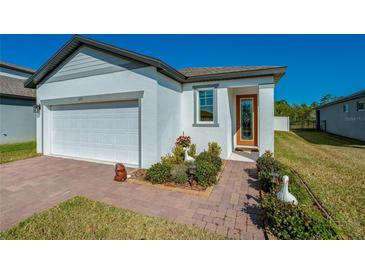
96	131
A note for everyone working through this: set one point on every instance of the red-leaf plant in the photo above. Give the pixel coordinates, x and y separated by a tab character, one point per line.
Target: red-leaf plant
183	140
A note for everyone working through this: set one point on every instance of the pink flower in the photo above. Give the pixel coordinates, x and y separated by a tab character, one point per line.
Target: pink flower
183	140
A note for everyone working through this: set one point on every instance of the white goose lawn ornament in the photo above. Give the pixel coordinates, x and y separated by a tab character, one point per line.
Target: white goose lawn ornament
284	194
187	157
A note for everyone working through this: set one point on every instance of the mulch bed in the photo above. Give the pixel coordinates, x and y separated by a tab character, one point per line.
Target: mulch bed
140	175
192	187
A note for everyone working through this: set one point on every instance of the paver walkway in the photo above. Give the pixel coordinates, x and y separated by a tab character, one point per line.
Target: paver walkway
32	185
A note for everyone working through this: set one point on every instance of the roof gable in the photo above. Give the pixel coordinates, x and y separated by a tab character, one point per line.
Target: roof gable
86	61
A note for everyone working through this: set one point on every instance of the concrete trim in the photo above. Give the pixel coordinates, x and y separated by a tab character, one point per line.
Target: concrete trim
206	86
140	153
110	97
206	125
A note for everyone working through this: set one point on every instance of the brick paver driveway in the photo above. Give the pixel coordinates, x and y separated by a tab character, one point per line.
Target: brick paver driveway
32	185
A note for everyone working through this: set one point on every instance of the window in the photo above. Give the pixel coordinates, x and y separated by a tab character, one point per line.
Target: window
346	108
206	106
360	106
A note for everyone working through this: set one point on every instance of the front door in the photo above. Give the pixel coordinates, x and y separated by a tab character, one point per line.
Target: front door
246	120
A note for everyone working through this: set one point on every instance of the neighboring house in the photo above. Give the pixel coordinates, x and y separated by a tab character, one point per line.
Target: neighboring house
345	116
100	102
17	120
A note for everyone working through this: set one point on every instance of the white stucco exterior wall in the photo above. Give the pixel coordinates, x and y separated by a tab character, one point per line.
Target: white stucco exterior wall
166	107
141	79
266	117
201	136
169	122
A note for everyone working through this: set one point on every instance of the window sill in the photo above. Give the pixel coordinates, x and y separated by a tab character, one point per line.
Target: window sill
205	125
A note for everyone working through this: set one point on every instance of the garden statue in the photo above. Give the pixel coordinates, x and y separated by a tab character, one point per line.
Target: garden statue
120	173
284	194
187	157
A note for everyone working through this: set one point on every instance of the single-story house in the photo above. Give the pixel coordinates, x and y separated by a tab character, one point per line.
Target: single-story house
100	102
345	116
17	120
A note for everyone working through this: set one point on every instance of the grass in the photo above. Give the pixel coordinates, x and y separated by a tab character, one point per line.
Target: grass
19	151
81	218
333	167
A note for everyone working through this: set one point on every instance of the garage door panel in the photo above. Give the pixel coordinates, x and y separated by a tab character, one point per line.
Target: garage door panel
100	131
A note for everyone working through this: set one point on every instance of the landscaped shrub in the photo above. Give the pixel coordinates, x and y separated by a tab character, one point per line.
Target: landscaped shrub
158	173
179	173
211	158
178	152
169	160
206	173
289	222
177	156
183	141
266	164
192	150
214	149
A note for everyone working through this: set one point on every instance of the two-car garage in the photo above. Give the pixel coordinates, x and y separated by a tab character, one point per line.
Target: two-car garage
103	131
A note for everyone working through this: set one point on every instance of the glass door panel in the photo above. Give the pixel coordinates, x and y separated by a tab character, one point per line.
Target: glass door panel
246	113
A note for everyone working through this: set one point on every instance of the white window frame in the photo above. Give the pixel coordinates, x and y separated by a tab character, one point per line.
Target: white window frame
197	121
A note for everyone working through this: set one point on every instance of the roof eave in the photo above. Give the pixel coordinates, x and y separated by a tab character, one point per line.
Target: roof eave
277	73
17	68
342	100
32	98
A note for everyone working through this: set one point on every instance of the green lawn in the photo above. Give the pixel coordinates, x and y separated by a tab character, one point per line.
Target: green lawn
81	218
334	168
20	151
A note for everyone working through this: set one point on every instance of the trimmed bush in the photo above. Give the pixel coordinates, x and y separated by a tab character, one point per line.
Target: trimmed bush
210	157
214	149
158	173
177	156
192	150
178	152
289	222
206	173
168	160
266	164
179	173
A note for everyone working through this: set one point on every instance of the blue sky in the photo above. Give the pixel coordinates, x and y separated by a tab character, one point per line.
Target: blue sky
317	64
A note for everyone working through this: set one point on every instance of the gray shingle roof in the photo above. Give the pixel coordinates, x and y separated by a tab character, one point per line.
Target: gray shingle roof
190	72
15	87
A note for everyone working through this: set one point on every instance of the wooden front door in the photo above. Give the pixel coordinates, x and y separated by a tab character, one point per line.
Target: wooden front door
246	120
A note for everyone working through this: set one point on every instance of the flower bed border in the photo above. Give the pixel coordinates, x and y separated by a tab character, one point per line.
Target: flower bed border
205	192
